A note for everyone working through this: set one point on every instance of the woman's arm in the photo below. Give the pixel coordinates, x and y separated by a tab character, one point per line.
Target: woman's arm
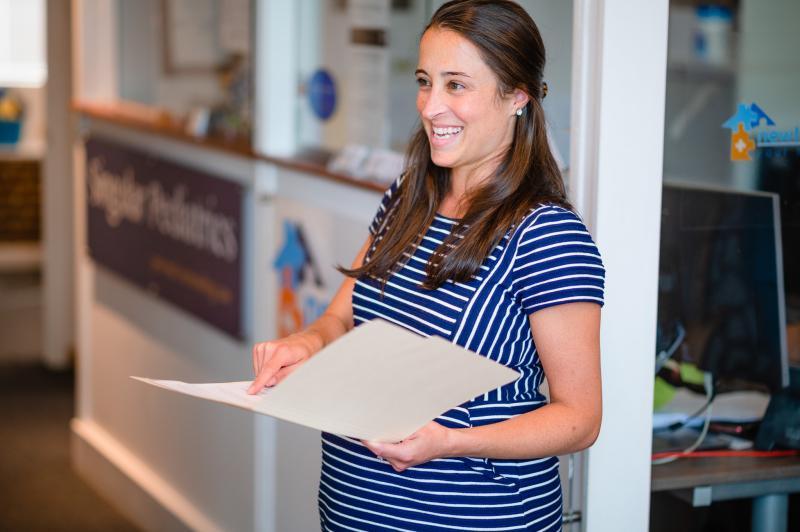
274	360
568	343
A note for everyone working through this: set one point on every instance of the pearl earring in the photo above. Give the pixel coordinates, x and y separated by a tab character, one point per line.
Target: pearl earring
519	111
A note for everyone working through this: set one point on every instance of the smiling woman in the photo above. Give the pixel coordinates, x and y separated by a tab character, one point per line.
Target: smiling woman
477	243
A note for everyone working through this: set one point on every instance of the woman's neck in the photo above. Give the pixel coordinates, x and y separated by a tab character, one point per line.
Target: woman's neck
463	181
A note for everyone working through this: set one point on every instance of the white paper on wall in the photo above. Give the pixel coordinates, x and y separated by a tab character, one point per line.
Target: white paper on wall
234	26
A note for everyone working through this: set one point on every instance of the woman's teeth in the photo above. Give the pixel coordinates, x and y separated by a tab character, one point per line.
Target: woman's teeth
446	132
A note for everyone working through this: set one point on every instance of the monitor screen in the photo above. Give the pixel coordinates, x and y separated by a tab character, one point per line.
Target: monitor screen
721	284
779	172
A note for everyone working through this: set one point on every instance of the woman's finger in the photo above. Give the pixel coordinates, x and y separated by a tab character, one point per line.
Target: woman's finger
282	374
280	357
265	373
375	447
265	351
276	359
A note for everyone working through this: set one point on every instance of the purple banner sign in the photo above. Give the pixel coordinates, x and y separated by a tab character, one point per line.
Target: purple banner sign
172	230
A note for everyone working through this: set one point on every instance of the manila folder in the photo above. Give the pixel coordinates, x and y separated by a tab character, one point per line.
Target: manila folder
378	382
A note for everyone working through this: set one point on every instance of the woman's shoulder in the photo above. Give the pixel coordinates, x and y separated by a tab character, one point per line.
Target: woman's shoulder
549	217
389	198
396	184
550	228
555	259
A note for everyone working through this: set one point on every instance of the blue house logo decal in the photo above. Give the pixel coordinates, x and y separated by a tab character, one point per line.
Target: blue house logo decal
745	137
297	272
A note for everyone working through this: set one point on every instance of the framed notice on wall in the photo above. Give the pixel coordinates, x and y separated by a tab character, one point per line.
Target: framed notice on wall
191	36
171	230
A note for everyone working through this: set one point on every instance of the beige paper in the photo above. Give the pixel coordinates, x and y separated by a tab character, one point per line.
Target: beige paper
378	382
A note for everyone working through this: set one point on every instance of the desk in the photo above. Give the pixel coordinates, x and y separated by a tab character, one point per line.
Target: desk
701	481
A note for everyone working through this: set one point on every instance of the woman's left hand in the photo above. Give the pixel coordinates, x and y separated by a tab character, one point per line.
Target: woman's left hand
428	443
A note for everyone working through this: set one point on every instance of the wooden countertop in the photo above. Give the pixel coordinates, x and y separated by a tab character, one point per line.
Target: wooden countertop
156	122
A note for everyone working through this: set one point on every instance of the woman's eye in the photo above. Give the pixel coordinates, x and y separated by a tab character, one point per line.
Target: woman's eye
454	85
422	82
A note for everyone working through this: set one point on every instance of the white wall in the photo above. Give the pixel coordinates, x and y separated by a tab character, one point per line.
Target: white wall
22	43
95	46
626	215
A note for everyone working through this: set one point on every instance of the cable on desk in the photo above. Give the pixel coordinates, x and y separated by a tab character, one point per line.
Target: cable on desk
724	454
681	424
708	385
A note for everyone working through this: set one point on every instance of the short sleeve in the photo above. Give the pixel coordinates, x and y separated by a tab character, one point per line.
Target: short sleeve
556	261
386	202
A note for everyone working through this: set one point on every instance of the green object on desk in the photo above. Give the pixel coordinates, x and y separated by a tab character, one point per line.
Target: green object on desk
663	392
691	375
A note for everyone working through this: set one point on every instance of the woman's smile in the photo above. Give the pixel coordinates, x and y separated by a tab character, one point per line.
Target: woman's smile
443	136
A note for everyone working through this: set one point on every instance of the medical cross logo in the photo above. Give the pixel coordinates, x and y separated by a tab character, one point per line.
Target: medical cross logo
745	138
746	118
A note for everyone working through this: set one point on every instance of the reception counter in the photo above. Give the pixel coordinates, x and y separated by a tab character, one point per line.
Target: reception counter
168	461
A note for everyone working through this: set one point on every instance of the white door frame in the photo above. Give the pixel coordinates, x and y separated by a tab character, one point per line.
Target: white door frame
619	85
58	294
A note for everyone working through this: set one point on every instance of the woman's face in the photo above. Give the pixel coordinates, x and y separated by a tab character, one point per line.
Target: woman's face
469	125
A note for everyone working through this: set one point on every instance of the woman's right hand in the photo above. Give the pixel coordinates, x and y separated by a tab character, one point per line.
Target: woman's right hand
274	360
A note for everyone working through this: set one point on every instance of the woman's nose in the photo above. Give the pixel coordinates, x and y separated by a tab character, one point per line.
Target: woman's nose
432	104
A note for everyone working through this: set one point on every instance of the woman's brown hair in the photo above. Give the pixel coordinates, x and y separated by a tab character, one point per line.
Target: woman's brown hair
510	44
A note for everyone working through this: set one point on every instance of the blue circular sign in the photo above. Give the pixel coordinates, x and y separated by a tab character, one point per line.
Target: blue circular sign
322	94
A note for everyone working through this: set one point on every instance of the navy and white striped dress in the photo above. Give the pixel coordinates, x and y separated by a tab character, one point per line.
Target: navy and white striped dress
547	259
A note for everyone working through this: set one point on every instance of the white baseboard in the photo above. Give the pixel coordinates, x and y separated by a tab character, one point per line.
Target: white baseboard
131	485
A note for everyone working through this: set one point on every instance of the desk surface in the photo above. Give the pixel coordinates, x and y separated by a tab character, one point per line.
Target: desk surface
692	472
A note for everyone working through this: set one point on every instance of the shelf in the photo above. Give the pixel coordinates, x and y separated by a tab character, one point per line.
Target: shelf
20	256
153	121
695	71
23	151
315	162
157	121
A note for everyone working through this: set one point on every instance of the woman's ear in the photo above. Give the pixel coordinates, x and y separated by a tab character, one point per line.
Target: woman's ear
521	98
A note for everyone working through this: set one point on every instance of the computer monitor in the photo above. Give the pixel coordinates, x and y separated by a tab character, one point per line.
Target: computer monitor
721	284
778	171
